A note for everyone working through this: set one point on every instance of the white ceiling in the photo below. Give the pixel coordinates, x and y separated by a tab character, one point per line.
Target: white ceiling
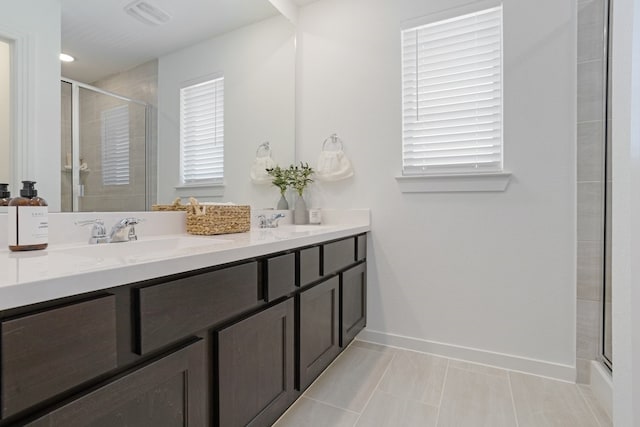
104	39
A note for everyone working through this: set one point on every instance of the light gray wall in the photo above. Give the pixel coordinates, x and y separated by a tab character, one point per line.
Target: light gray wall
257	62
493	273
37	23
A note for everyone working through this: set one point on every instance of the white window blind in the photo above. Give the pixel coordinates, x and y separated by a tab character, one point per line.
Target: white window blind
452	95
202	132
115	146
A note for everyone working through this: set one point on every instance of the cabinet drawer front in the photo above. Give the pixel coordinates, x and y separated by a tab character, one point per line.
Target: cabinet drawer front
168	392
256	367
319	332
361	247
281	276
353	302
46	353
309	265
338	255
171	311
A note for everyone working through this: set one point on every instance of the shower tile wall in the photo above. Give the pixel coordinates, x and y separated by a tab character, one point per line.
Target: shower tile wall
139	83
590	170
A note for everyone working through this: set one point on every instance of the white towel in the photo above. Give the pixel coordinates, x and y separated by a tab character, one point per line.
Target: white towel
259	168
333	165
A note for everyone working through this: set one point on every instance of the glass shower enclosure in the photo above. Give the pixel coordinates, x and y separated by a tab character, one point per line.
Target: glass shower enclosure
104	150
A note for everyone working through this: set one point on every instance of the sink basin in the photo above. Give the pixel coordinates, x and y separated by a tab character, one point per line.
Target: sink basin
143	249
304	228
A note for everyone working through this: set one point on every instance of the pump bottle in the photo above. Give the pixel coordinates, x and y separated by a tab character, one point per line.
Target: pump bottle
28	220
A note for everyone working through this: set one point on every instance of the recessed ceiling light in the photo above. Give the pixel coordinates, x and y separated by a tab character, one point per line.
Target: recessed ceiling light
66	58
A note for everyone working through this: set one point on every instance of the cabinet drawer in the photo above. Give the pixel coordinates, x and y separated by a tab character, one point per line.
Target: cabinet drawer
46	353
338	255
361	247
281	276
309	265
170	391
173	310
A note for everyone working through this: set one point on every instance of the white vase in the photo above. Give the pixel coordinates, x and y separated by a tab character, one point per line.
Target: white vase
300	214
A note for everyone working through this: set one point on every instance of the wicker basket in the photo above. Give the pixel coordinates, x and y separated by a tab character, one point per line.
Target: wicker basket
218	219
175	206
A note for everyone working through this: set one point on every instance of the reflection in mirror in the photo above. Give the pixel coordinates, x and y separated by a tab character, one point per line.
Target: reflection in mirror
247	41
5	112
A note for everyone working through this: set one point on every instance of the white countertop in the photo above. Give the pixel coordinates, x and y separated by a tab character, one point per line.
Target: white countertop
69	269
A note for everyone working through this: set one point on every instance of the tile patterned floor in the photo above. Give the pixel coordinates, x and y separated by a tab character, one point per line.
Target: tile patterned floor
372	385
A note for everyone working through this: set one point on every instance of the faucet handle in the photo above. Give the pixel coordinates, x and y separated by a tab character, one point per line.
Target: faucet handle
98	231
131	221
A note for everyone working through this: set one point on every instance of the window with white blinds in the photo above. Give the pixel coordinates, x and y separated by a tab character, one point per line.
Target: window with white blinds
452	95
202	132
115	146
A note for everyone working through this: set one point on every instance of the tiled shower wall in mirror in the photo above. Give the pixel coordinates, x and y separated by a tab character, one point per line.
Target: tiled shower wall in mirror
138	83
590	170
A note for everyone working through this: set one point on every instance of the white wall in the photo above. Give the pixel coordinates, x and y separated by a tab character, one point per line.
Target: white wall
37	23
493	272
626	213
258	66
5	92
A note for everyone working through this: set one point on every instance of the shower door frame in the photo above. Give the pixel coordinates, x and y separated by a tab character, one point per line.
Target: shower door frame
76	189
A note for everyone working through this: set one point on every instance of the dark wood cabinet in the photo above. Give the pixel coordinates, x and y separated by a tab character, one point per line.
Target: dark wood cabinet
256	367
280	272
338	255
353	303
172	310
225	346
48	352
309	266
166	392
318	330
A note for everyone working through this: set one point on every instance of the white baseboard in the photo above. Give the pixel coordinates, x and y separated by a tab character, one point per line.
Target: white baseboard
602	386
499	360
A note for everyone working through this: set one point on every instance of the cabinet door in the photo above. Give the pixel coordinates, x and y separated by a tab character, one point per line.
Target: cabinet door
256	367
167	392
319	316
353	303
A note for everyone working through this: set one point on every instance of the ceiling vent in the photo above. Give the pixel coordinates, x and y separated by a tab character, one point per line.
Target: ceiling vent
147	13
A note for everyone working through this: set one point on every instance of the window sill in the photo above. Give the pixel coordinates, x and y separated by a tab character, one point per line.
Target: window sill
200	190
497	181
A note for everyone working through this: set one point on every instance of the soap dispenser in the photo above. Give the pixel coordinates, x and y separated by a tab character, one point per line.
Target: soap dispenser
5	196
28	220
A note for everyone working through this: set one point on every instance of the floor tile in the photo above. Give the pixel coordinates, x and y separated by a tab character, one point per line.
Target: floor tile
542	402
350	380
415	376
387	410
479	369
310	413
601	414
472	399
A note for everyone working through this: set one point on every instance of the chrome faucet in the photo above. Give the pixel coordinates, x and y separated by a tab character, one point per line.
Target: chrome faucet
124	230
271	222
98	231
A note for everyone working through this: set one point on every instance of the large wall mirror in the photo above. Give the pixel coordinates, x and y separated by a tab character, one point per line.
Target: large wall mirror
119	100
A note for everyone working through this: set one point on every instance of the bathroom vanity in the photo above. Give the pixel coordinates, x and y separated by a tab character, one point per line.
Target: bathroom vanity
232	340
